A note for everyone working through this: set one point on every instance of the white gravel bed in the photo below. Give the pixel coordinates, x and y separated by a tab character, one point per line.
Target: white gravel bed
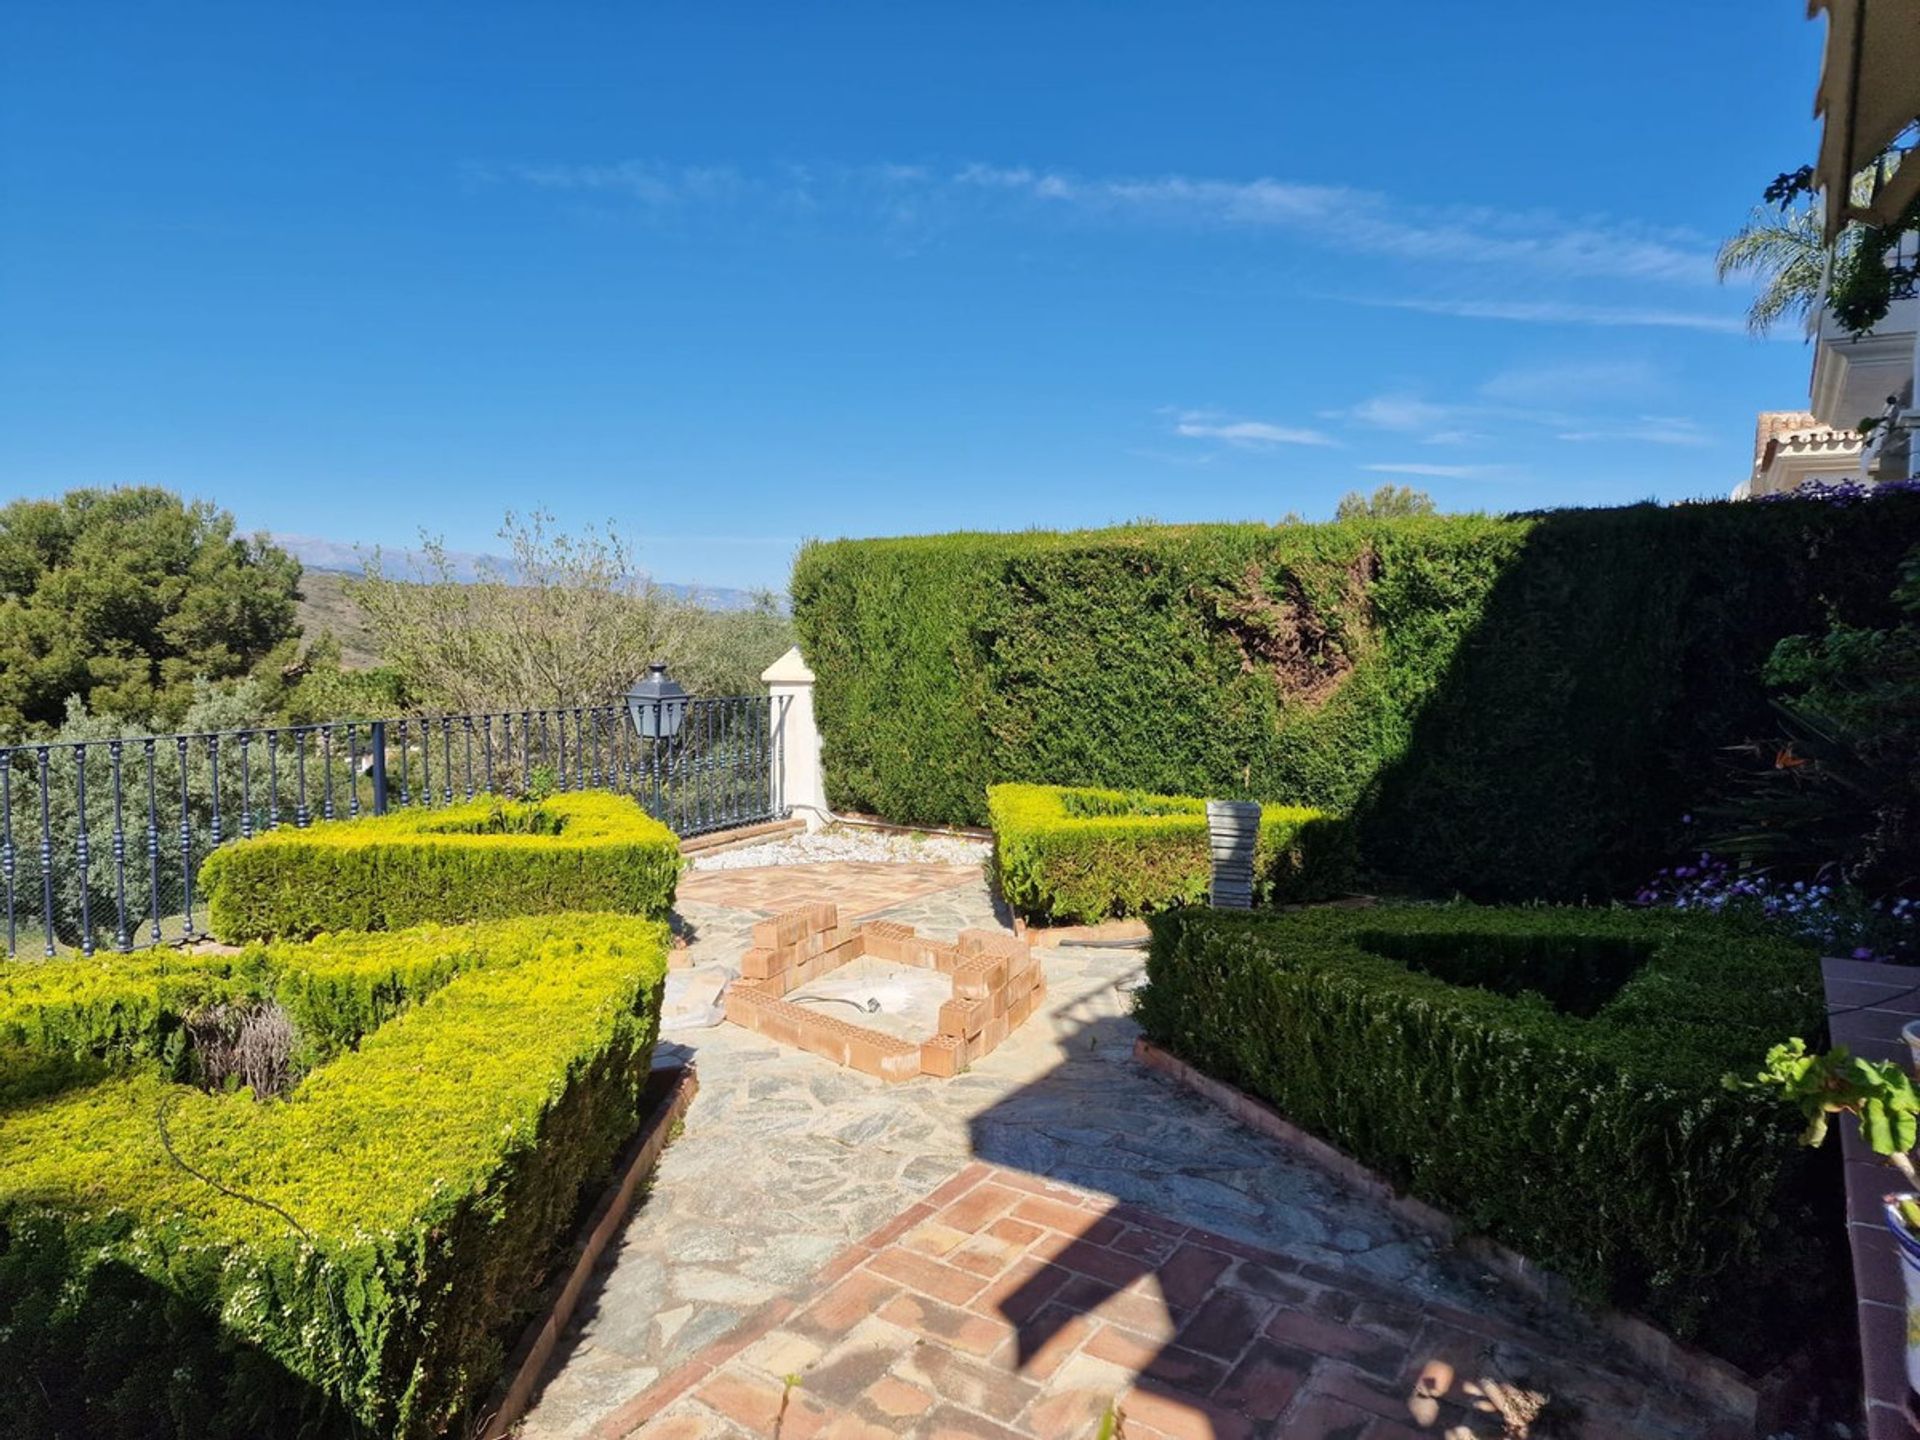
851	842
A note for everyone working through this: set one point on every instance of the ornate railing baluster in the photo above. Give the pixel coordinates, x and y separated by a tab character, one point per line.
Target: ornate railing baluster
273	779
246	784
467	727
83	852
153	840
122	936
326	765
406	793
186	845
300	815
213	766
446	758
46	855
353	772
7	860
486	749
426	762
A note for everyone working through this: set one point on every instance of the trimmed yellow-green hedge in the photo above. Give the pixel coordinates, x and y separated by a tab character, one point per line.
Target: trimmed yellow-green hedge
1077	854
1551	1077
406	1200
589	850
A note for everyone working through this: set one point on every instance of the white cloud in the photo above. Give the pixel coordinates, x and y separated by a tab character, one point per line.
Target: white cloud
1436	472
1350	218
1555	312
1246	434
1338	217
1401	412
1560	382
1643	430
645	181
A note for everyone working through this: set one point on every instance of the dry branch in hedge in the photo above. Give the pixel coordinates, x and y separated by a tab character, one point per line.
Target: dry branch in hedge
353	1259
1509	708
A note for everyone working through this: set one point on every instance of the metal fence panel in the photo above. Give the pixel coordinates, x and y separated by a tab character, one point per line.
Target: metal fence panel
100	840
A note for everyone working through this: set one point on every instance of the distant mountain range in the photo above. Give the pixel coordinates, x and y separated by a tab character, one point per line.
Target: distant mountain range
346	558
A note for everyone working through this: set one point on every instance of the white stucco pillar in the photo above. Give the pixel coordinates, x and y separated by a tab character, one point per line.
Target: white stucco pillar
799	782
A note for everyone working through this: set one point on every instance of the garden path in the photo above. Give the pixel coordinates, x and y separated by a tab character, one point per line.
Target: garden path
1013	1251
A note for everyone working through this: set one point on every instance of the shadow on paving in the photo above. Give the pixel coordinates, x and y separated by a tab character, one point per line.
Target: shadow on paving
1237	1340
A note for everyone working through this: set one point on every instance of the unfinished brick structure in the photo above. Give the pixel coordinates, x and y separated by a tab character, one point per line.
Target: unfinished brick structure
996	985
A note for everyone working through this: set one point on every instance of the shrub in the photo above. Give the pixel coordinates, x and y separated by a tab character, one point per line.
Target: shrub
1080	855
122	1008
353	1259
1508	708
479	861
1551	1077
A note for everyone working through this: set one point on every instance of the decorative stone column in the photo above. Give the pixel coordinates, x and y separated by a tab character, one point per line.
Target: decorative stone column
799	782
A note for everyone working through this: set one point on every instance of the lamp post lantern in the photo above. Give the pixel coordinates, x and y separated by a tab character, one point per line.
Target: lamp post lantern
658	705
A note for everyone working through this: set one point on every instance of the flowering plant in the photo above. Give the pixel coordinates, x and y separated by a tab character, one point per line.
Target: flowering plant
1839	918
1842	492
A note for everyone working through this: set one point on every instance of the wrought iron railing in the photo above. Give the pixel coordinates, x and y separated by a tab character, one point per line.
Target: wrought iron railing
101	840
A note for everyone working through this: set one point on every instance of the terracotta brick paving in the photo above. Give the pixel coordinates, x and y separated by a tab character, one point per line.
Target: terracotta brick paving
858	887
1007	1307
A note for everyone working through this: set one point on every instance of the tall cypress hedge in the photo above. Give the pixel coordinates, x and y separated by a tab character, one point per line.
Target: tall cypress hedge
1510	707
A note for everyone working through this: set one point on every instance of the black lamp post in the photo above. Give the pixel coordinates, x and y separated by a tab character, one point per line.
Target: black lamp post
658	705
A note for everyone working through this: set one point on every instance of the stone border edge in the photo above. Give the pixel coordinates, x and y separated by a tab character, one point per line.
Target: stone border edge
1758	1402
530	1357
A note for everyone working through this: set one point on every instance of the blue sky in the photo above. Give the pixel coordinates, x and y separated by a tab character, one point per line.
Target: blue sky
731	275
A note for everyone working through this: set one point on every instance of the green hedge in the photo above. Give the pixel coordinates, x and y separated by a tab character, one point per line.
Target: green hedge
478	1084
1551	1077
479	861
1508	708
1080	855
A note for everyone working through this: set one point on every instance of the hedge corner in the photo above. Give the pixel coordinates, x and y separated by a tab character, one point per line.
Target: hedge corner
484	860
1078	854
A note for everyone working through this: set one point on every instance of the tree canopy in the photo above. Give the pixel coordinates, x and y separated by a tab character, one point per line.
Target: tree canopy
567	620
124	597
1389	502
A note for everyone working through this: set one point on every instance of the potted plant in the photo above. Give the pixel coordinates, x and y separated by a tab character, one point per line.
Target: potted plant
1881	1096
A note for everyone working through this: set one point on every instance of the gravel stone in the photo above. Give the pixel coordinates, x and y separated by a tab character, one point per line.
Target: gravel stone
852	842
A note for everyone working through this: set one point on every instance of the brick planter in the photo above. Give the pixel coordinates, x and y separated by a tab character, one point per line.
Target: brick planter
996	983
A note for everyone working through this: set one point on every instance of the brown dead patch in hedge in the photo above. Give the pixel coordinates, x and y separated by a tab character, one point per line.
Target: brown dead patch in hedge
1307	650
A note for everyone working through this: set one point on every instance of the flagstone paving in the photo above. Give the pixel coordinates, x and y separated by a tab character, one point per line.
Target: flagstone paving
1012	1251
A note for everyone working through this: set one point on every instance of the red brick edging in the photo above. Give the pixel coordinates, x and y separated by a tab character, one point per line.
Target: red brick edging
682	1378
530	1357
996	982
1756	1401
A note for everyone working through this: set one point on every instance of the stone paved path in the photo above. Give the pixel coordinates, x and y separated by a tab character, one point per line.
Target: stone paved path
794	1176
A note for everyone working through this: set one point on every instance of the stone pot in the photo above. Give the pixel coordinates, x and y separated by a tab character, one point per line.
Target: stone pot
1233	826
1908	1246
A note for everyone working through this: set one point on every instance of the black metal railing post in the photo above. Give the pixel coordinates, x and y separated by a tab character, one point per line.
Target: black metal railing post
379	758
